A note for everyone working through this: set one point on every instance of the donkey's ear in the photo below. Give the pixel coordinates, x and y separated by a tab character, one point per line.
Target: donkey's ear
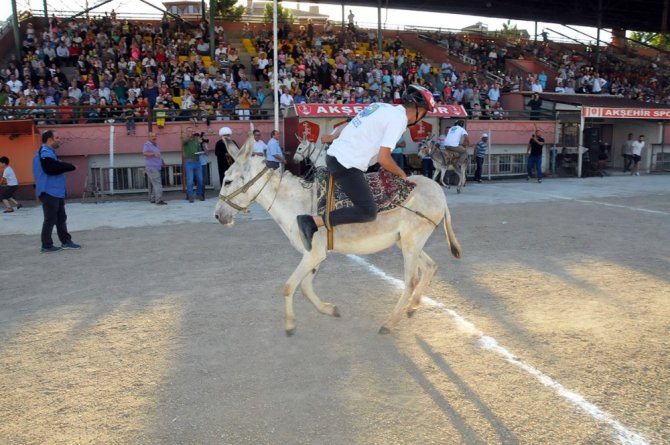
233	149
244	153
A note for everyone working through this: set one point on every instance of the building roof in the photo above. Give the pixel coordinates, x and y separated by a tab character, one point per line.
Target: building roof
641	15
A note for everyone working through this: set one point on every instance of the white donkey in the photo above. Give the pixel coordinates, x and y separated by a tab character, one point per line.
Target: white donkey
283	196
444	161
310	150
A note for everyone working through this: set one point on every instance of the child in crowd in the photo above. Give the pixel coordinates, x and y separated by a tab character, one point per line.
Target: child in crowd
11	184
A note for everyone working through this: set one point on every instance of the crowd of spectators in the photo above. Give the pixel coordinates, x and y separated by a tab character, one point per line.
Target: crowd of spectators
328	67
575	68
119	71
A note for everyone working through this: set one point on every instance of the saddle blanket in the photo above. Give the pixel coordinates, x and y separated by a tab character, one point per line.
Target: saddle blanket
388	190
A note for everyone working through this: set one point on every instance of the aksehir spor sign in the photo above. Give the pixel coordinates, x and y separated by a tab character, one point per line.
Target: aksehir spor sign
626	113
344	110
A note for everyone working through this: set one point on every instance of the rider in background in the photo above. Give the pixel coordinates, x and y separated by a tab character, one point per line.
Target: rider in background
457	140
367	139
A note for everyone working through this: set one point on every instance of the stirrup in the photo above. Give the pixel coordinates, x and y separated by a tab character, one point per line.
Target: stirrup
330	203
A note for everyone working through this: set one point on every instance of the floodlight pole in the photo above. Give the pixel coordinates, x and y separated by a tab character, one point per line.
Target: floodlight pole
275	61
17	36
212	18
380	38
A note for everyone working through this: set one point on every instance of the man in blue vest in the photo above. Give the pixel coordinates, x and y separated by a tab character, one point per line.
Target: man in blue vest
49	173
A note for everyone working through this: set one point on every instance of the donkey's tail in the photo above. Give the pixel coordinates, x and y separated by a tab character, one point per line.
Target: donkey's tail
454	245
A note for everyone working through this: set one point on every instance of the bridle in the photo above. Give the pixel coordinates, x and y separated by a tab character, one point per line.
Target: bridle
228	198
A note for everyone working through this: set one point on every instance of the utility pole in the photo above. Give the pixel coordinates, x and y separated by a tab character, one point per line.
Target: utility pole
17	36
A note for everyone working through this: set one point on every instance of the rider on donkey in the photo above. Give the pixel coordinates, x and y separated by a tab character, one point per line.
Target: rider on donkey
457	141
367	139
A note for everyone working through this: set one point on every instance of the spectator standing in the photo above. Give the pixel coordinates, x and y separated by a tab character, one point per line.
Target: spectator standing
191	156
535	104
223	158
49	173
260	147
481	149
627	153
636	148
534	152
153	163
11	184
274	155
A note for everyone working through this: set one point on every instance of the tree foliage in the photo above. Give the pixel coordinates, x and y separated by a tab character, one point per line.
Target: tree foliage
509	30
228	10
658	40
283	15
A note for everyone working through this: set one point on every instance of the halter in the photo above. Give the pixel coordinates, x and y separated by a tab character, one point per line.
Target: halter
227	199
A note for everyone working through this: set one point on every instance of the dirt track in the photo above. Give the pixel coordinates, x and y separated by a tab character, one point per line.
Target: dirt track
172	334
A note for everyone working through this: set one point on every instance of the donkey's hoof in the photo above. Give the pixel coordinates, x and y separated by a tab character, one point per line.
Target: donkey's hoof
290	332
336	312
384	330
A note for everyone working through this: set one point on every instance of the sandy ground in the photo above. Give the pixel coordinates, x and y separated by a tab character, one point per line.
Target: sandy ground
166	328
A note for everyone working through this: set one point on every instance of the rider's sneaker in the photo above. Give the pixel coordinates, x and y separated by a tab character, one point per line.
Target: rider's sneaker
50	249
307	228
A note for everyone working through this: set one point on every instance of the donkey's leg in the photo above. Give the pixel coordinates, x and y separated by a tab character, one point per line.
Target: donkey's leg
308	291
427	268
310	260
460	171
411	249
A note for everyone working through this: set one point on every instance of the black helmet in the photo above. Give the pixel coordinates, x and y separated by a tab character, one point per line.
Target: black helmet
460	123
419	96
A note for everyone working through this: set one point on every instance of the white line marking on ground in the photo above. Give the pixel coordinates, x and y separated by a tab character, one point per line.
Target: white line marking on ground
606	204
624	435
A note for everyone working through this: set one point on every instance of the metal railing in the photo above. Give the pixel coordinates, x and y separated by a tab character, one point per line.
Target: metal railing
660	158
91	114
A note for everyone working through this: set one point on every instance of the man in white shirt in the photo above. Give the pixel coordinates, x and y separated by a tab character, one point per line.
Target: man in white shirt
637	148
457	140
260	147
15	85
367	139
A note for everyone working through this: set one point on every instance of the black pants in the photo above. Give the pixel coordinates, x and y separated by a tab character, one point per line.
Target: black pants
222	164
54	215
353	184
478	170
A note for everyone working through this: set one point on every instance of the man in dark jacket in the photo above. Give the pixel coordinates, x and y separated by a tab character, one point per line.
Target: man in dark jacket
49	173
223	158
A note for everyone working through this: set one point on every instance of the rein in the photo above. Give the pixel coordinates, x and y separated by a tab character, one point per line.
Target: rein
227	199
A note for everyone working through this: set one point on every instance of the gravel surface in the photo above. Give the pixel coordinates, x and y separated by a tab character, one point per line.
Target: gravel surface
166	328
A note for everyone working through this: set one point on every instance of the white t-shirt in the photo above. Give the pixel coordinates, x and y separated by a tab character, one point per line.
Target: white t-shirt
260	147
378	125
10	176
454	136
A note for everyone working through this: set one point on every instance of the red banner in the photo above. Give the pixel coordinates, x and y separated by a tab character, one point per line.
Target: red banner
420	131
308	130
626	113
341	110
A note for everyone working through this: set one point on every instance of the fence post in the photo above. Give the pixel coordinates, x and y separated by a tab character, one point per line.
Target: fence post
111	159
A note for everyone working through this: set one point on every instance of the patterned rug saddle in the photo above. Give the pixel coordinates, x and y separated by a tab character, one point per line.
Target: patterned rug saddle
388	190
